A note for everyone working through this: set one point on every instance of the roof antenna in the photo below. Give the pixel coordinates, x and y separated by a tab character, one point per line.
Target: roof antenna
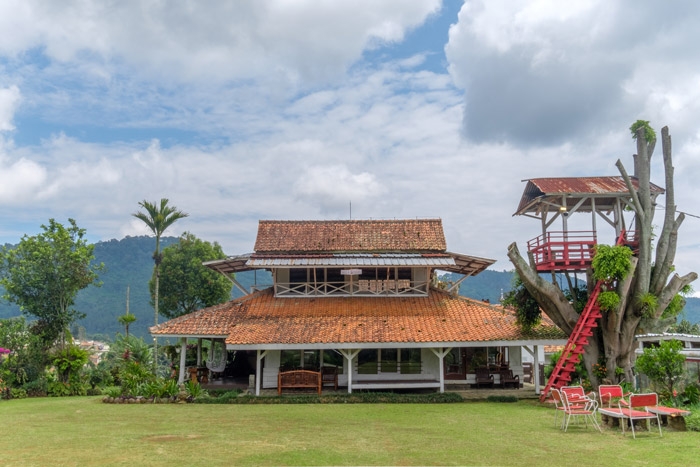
350	210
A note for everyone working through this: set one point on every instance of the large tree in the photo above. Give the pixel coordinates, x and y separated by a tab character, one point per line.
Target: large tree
649	292
45	272
186	285
158	217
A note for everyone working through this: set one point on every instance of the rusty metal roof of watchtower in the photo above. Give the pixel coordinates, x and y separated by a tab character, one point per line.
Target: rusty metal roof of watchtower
539	191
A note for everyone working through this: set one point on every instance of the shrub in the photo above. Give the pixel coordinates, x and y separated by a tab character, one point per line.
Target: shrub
611	262
58	389
691	395
608	300
18	393
502	399
663	365
692	421
112	391
37	388
194	390
354	398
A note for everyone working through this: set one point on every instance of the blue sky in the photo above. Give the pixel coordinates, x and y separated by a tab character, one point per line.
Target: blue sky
274	109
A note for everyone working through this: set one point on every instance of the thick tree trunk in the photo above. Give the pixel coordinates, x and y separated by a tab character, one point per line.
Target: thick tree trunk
616	335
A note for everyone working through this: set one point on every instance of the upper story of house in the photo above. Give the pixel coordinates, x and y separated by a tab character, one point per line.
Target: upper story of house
352	258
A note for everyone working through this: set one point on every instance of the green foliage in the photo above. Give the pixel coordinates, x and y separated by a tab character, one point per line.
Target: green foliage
685	327
27	361
647	304
132	375
691	395
36	388
579	370
18	393
674	307
578	296
112	391
649	133
69	361
185	284
354	398
58	389
126	320
692	421
502	399
611	262
663	365
194	390
527	310
44	273
608	300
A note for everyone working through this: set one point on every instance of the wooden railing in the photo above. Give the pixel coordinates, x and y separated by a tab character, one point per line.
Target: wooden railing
356	288
571	250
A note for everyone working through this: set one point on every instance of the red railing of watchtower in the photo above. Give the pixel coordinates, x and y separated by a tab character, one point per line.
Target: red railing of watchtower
565	251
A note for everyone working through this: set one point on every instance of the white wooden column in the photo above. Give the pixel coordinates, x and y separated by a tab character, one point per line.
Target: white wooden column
183	359
199	352
349	357
440	353
258	371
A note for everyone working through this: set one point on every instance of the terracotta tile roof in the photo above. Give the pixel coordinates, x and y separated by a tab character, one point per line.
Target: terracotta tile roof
213	321
262	319
421	235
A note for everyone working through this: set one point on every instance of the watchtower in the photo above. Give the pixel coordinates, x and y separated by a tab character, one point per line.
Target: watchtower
571	251
550	199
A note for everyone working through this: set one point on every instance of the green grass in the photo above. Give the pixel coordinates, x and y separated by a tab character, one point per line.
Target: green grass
84	431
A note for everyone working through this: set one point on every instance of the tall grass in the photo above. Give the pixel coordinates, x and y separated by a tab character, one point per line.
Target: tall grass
84	431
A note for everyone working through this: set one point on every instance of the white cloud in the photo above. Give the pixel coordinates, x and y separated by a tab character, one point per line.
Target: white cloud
218	41
19	180
334	187
9	102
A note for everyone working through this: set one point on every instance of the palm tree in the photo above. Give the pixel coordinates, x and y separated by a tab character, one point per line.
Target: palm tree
158	217
126	320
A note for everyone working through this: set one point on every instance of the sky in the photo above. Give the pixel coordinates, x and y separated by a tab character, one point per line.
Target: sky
326	110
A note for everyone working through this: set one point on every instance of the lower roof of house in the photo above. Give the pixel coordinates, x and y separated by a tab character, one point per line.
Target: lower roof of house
262	321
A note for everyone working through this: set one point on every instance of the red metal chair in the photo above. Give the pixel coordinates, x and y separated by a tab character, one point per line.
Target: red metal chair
609	392
585	408
637	410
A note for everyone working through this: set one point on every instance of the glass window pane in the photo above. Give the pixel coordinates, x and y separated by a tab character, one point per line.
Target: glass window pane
367	362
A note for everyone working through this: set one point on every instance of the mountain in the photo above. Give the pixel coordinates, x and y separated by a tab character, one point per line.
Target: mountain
129	263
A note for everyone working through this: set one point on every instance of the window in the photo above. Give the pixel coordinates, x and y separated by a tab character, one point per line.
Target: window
297	276
389	360
367	362
290	360
410	361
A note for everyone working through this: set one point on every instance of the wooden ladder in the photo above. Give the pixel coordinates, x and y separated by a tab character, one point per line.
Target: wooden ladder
561	375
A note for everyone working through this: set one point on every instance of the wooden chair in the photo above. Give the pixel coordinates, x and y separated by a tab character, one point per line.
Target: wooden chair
483	377
329	375
507	378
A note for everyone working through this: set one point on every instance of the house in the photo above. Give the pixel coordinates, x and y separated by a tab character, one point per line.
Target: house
691	344
361	296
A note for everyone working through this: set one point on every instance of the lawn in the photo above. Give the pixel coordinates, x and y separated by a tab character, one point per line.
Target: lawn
84	431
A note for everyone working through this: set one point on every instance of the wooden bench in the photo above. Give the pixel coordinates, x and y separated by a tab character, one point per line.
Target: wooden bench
299	379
